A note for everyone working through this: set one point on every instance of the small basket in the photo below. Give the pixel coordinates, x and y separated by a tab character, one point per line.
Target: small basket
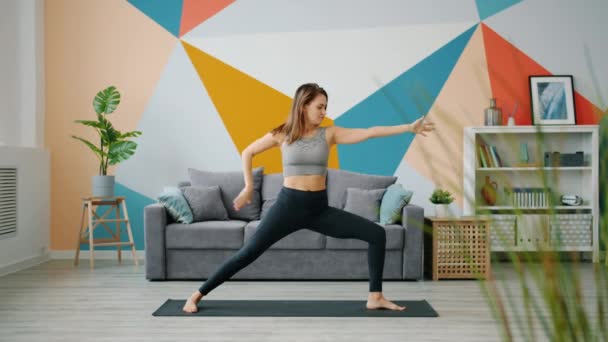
503	231
461	248
571	230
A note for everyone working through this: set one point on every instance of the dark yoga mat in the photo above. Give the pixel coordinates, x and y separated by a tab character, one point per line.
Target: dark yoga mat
294	308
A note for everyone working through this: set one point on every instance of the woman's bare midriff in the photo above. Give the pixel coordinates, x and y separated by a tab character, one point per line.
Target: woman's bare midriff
305	182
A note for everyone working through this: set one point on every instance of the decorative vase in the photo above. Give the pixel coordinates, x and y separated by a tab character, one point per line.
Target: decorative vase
489	191
441	210
493	114
524	157
103	186
511	119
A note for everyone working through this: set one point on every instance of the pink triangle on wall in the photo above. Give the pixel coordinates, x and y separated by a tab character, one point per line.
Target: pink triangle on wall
195	12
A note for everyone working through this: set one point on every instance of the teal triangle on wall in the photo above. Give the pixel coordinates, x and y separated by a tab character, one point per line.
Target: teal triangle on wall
167	14
135	209
401	101
488	8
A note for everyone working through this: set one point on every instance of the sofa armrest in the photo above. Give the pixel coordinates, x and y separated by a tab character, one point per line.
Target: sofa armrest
155	222
413	252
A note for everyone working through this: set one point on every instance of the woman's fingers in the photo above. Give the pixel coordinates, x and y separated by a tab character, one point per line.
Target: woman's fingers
238	203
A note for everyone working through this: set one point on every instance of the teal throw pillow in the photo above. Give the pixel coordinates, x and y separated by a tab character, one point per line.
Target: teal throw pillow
175	203
393	201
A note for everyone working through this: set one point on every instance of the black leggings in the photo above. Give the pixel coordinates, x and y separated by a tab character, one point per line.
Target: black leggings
295	210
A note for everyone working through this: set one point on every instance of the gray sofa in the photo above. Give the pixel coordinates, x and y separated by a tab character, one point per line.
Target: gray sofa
193	251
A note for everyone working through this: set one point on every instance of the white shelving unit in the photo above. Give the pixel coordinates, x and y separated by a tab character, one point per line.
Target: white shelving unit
535	226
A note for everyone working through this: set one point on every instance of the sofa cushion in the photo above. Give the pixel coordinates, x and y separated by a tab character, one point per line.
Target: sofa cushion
271	185
365	203
231	183
301	239
183	184
395	235
206	203
208	234
395	198
174	201
339	180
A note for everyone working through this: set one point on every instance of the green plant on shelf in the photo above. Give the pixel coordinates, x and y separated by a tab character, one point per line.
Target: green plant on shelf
440	196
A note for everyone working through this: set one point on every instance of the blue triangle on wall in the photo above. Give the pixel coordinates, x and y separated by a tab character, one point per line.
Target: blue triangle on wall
401	101
488	8
167	14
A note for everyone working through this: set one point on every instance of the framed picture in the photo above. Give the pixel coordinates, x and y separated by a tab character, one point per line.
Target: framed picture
552	100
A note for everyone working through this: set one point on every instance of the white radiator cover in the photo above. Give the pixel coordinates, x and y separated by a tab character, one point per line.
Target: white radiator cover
8	202
30	242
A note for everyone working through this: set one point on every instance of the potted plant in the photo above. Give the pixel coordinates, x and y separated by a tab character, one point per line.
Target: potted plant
114	146
441	198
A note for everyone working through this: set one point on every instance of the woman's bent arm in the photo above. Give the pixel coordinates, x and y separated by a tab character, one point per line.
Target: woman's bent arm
260	145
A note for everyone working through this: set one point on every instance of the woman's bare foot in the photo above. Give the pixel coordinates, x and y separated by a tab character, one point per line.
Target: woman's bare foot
191	305
376	301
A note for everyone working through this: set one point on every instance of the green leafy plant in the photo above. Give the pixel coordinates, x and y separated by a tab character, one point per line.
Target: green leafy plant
440	196
114	146
534	294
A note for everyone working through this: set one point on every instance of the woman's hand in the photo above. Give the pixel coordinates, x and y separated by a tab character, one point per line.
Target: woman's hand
421	126
243	199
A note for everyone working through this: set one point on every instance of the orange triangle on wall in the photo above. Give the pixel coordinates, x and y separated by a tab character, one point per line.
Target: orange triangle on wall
248	107
195	12
509	69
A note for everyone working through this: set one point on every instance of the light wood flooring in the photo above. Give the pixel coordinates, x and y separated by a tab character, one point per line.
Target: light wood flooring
56	301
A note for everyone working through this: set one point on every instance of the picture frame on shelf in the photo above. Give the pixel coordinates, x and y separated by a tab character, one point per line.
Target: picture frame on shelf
552	100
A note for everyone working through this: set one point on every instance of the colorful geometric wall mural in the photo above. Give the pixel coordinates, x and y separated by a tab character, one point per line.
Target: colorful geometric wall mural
229	70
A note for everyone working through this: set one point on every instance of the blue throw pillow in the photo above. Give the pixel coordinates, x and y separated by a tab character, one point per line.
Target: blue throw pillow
175	203
393	201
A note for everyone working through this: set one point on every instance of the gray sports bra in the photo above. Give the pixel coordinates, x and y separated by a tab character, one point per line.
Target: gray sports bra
306	156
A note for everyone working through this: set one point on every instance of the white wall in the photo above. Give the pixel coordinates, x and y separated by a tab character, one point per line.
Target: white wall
22	130
22	73
8	72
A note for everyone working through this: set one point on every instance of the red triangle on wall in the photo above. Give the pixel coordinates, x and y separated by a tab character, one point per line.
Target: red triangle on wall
509	68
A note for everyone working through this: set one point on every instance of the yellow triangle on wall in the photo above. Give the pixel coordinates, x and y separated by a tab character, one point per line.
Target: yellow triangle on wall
248	107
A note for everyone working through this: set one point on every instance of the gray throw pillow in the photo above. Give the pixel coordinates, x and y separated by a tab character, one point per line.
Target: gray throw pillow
231	183
339	180
206	203
365	203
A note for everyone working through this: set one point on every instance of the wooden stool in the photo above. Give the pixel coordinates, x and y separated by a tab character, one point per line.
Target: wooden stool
93	220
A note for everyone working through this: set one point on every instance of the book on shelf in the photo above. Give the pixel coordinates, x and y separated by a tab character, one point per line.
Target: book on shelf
496	156
488	156
526	197
482	159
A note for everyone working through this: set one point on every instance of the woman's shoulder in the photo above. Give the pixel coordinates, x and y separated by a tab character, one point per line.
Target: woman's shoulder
329	130
329	133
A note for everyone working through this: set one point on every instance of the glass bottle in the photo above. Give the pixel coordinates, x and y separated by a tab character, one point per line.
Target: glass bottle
493	114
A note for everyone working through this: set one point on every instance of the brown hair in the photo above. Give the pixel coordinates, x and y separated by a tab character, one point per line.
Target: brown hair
293	128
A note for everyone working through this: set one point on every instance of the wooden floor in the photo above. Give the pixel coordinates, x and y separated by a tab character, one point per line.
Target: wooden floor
55	301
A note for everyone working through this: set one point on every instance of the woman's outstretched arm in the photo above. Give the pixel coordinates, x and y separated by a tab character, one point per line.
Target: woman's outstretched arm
341	135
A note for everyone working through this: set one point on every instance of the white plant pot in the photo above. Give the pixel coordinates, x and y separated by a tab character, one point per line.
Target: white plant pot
441	210
103	186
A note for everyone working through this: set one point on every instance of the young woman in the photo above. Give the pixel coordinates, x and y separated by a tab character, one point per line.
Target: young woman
302	202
